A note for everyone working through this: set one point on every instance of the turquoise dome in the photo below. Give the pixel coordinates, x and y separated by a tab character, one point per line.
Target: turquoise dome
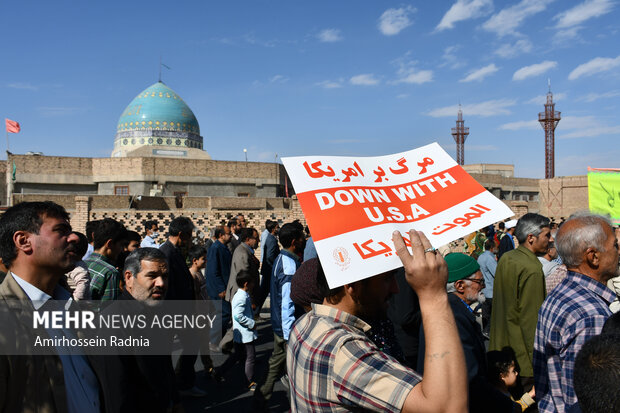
159	108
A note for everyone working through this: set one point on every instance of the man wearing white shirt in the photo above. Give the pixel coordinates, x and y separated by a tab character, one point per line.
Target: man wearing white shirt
38	247
149	240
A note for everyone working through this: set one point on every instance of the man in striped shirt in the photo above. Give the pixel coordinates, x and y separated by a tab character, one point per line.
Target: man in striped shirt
334	367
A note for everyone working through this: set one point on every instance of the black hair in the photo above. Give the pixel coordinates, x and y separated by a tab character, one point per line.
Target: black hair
243	277
501	225
109	229
489	244
498	364
180	225
270	225
133	236
91	228
246	233
149	224
232	223
597	373
82	245
133	262
25	216
195	252
612	325
219	231
290	232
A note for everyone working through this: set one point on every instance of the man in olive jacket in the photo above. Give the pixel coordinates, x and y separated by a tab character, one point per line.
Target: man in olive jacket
519	291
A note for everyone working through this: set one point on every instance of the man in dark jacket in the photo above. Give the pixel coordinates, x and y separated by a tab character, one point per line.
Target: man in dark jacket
465	283
271	250
217	275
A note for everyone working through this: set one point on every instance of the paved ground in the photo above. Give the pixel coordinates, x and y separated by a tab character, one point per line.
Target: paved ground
232	395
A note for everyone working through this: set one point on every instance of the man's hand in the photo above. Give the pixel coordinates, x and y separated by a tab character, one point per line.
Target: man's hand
426	272
222	294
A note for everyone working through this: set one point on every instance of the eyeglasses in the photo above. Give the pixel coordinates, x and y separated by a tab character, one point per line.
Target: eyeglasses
480	281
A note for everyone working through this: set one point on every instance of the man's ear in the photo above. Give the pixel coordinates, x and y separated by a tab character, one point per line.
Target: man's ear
459	286
128	280
23	241
593	257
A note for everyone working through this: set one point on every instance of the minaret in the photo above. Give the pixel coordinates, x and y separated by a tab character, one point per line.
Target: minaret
460	134
549	119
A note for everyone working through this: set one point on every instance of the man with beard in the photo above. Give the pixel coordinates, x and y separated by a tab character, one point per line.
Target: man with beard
38	247
465	284
137	382
333	365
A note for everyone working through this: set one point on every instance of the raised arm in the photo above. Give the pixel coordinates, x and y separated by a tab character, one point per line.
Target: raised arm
444	385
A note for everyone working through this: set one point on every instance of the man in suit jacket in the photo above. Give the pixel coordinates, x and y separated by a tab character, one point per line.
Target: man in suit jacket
217	274
271	250
235	227
243	259
38	247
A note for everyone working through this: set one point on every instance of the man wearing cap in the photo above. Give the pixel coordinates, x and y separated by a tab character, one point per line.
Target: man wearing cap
465	284
507	242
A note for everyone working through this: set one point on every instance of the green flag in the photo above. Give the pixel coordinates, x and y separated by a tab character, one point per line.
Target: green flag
604	192
14	170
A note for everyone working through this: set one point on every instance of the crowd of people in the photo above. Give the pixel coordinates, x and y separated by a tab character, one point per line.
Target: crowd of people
523	322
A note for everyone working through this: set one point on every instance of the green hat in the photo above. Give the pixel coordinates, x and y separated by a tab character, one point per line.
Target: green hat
460	266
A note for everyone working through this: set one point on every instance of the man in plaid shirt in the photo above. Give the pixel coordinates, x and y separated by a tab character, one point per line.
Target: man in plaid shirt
334	367
109	237
576	309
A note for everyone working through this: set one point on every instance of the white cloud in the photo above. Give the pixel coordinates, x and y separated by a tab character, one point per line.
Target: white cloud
580	13
479	74
450	59
520	125
464	10
393	21
542	99
485	109
23	86
534	70
408	72
330	84
366	79
578	122
596	65
509	19
591	97
417	77
278	79
508	50
592	132
329	35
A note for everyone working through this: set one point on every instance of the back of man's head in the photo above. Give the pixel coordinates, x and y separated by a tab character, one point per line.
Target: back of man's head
597	374
246	233
578	233
91	228
82	245
290	232
530	224
108	229
180	225
133	236
502	226
219	231
25	216
489	244
195	252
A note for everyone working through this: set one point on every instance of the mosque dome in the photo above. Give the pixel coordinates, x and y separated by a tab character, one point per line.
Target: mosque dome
158	122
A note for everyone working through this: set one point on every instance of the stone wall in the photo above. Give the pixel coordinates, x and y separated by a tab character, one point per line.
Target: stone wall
562	196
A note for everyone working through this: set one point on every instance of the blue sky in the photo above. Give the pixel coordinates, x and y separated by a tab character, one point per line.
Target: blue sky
322	77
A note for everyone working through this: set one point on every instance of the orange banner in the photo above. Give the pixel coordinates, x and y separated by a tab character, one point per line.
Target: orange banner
348	209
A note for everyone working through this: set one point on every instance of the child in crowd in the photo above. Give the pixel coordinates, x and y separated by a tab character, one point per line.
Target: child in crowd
502	373
244	329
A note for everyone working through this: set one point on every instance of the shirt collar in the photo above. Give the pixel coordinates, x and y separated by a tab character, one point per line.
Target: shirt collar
37	296
291	255
591	284
248	247
102	258
340	316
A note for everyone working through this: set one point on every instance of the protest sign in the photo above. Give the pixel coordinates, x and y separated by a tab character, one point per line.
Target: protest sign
353	204
604	192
